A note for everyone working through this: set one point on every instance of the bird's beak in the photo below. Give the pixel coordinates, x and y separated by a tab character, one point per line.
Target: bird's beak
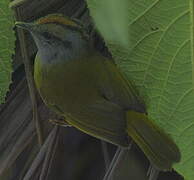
23	25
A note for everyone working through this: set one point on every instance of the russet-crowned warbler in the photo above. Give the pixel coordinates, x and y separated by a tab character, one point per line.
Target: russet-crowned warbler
86	88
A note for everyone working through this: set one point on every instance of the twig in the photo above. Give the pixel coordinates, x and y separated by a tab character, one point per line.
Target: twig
49	156
116	159
29	77
17	3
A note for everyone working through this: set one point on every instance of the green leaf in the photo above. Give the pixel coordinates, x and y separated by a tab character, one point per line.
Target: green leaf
159	60
111	25
7	41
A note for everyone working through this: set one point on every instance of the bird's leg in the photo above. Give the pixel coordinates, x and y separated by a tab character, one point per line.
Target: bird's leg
115	161
153	173
113	164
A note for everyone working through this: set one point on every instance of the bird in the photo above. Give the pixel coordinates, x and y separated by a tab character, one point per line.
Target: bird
90	91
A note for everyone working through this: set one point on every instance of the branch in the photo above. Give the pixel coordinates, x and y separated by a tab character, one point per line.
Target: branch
29	77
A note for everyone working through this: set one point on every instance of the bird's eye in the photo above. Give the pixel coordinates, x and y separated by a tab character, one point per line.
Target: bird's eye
47	35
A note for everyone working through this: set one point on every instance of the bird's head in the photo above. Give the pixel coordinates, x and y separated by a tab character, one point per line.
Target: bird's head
57	34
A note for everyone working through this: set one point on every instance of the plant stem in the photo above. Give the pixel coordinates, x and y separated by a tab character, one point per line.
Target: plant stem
105	154
116	158
30	79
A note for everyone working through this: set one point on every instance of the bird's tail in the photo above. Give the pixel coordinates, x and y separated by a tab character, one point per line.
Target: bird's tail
156	145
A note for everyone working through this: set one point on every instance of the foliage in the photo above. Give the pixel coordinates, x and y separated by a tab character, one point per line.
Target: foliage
7	39
159	60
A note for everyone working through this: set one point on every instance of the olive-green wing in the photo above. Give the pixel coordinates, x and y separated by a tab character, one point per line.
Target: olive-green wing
117	89
157	146
101	119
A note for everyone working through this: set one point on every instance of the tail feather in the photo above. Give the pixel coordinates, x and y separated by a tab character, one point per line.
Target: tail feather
157	146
